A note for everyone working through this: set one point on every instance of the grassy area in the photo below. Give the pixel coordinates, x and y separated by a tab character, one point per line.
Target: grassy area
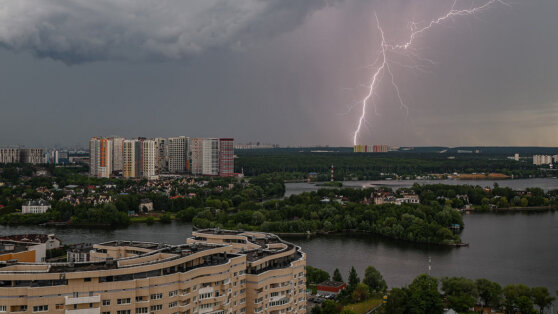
363	307
155	216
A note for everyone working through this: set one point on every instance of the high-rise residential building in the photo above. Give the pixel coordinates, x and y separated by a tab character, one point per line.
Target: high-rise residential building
9	155
197	156
226	157
131	159
100	157
117	150
178	152
149	154
162	155
210	166
216	271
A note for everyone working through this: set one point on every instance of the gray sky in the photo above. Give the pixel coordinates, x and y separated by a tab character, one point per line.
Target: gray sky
282	71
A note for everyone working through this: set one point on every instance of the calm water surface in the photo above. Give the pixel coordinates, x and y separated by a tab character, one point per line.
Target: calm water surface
507	248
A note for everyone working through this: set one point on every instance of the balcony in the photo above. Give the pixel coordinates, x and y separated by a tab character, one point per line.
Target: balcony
84	311
83	300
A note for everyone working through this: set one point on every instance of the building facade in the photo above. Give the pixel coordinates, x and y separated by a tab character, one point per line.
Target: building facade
214	272
35	207
100	157
178	152
210	161
226	157
117	154
22	155
131	159
197	156
149	159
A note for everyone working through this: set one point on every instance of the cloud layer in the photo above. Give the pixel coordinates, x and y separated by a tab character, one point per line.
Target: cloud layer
75	31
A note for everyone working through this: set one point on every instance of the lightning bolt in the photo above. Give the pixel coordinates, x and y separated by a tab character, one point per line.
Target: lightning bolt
405	48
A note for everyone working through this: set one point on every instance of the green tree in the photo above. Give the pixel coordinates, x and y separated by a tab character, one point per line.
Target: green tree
525	305
337	275
360	293
374	279
353	279
165	218
489	292
397	302
542	298
460	293
512	293
524	202
316	275
424	296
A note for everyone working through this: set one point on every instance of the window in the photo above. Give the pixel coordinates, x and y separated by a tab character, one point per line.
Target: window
140	310
157	307
40	308
59	306
123	301
123	312
107	312
173	304
3	308
86	279
106	302
173	293
205	295
156	296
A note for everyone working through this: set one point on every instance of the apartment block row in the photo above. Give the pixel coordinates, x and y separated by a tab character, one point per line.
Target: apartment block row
21	155
149	158
544	159
216	271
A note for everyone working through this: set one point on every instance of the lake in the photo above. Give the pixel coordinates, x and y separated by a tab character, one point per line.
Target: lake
507	248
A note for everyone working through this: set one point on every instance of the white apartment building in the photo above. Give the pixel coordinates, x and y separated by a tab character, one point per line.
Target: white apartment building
149	159
178	152
162	154
100	157
210	165
542	160
9	155
131	158
35	207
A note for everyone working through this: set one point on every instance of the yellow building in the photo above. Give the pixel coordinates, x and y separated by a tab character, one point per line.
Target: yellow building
215	272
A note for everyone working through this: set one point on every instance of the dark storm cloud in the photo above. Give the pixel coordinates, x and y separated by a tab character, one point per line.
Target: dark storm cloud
283	71
76	31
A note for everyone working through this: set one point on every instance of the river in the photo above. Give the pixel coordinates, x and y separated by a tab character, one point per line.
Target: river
517	184
507	248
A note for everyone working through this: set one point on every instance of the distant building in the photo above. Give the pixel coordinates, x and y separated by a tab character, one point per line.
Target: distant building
100	157
516	157
35	207
178	150
131	159
539	160
79	253
22	155
197	156
149	154
117	154
226	157
330	287
371	148
210	165
146	205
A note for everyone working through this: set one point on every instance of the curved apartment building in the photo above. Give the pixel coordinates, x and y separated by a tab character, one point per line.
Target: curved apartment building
214	272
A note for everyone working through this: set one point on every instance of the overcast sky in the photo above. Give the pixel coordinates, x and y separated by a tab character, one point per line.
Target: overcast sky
281	71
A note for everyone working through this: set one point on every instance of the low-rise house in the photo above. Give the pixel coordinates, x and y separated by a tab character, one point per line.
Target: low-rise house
146	205
330	287
79	252
35	207
50	240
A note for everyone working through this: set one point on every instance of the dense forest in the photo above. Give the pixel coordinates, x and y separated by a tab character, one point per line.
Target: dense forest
377	166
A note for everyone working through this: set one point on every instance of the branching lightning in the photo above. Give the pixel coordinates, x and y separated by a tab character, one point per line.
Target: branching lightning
383	64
